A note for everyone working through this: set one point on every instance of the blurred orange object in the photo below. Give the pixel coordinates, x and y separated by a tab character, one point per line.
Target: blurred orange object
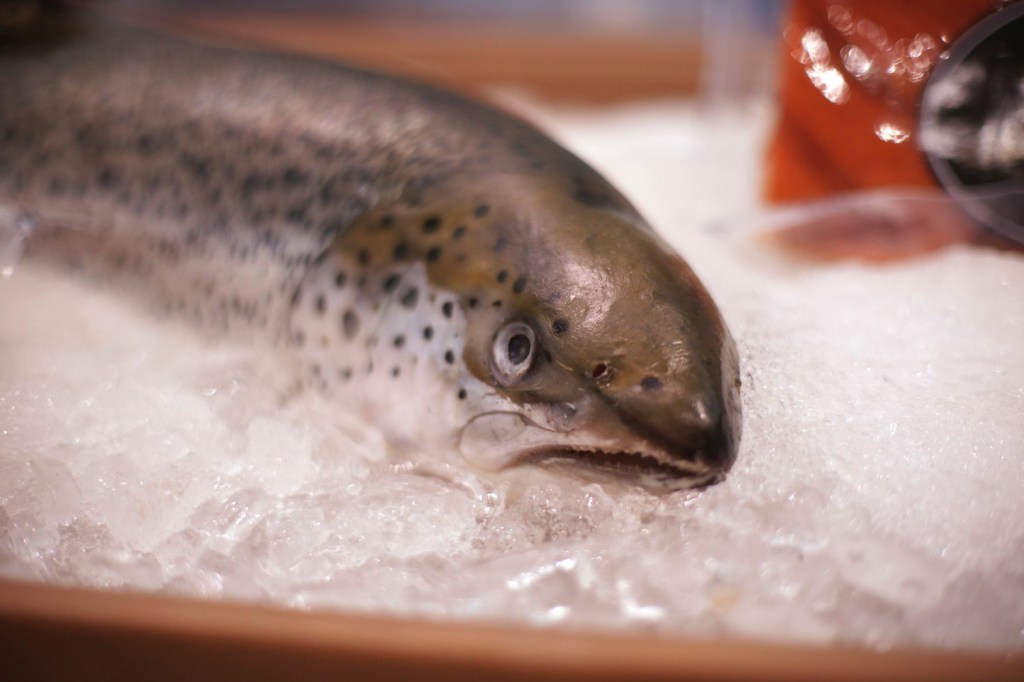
851	78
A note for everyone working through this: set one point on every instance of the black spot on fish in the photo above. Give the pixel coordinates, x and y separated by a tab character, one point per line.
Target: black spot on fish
502	276
519	284
146	145
395	371
590	198
8	134
401	251
329	193
350	324
410	298
86	137
449	357
428	333
432	224
462	394
588	195
196	165
293	177
296	296
387	221
339	279
297	214
481	210
499	244
364	257
459	231
398	341
560	326
434	253
107	177
446	308
345	373
496	304
249	186
472	302
650	383
391	283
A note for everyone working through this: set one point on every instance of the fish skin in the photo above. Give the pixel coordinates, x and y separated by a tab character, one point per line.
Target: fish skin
273	196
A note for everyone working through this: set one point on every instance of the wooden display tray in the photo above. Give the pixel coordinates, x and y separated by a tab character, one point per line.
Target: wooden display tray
49	632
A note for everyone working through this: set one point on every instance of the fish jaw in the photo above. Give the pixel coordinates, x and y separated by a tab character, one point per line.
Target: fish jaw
695	448
597	438
499	440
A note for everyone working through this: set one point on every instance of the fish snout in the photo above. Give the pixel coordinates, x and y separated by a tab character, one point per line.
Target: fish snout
701	430
696	422
709	427
707	431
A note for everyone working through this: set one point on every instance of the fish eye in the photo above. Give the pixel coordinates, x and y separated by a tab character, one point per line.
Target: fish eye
513	351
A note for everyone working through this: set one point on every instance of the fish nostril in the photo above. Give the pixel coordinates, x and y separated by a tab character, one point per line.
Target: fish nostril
602	373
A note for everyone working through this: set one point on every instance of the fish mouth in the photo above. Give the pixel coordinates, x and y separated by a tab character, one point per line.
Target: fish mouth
651	471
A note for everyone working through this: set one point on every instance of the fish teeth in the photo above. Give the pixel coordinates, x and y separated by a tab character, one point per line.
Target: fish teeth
655	472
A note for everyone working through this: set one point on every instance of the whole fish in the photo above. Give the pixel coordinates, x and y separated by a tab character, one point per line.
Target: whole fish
437	266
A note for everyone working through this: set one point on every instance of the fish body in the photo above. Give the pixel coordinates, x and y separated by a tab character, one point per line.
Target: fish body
440	267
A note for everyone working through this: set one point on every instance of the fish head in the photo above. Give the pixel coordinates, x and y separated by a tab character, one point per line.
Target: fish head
562	335
608	351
